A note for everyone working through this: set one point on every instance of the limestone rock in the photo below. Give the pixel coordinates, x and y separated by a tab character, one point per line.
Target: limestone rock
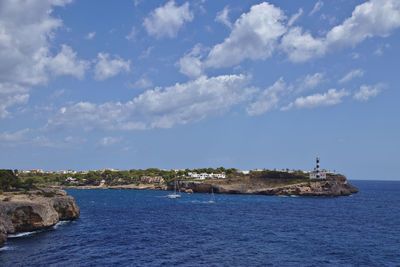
334	185
34	211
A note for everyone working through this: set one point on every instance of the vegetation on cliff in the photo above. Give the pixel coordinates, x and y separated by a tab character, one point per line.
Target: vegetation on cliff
111	178
9	181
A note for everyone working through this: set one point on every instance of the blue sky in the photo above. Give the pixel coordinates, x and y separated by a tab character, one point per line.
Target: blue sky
189	84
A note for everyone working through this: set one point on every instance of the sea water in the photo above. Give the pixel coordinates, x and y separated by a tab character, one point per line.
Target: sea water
144	228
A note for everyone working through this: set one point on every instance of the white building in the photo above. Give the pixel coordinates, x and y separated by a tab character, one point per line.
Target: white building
203	176
71	180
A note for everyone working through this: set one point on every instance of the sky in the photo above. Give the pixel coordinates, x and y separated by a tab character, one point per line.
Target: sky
94	84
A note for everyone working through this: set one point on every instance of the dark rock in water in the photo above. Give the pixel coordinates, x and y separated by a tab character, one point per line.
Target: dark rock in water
34	211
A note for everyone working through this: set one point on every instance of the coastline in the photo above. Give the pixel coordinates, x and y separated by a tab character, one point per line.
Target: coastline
333	186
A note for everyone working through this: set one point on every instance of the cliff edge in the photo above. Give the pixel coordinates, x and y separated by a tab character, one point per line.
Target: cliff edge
34	210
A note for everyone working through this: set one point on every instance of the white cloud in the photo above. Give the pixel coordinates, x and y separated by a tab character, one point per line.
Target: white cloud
132	34
379	50
109	141
166	21
22	138
351	75
137	2
223	17
368	91
372	18
90	35
317	7
190	64
106	67
142	83
11	95
146	53
302	46
67	63
57	93
268	99
74	140
254	36
7	138
355	55
332	97
159	107
369	19
311	81
295	17
25	56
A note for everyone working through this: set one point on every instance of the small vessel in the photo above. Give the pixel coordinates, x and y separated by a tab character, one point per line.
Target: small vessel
212	199
174	195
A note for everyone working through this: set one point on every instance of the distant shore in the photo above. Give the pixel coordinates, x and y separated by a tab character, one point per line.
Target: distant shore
335	185
127	186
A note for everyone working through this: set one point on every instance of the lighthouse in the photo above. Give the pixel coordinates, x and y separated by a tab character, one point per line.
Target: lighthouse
316	174
317	167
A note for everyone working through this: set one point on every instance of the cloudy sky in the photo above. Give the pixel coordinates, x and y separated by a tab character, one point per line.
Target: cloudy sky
187	84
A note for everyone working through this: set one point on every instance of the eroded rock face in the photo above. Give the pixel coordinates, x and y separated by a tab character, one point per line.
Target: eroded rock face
34	211
319	188
66	208
333	186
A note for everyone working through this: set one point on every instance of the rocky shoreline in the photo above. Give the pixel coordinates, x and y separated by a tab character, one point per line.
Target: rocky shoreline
34	210
333	186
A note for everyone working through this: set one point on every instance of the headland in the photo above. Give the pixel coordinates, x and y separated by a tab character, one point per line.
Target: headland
27	211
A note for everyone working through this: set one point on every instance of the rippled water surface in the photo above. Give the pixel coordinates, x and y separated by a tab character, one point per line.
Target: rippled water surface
130	227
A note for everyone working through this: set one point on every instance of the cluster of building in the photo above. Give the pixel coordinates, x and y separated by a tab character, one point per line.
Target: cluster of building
314	174
40	171
203	176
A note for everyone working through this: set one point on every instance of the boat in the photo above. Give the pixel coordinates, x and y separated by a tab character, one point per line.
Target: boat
212	199
174	195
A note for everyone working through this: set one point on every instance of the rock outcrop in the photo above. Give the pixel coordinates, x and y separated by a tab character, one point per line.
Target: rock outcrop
336	185
34	210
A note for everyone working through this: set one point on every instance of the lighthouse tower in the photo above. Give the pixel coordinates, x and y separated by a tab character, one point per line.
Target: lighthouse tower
317	174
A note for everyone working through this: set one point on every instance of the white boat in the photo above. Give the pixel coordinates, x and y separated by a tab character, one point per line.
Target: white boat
212	199
174	195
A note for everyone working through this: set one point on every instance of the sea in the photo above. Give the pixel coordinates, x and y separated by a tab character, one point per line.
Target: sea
144	228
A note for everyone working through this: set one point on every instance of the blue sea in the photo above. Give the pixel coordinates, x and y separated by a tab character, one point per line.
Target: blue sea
144	228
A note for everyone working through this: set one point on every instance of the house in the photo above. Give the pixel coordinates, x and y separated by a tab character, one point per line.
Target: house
203	176
36	171
71	180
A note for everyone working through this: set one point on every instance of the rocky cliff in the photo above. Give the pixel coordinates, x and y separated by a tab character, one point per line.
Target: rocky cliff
333	186
34	210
